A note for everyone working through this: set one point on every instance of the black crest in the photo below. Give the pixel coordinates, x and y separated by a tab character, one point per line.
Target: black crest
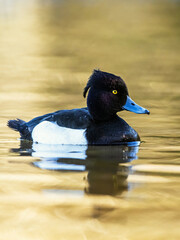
104	80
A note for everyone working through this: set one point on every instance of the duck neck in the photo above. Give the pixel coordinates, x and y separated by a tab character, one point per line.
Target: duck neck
98	107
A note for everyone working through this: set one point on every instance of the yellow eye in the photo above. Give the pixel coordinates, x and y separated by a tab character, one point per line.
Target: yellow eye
114	92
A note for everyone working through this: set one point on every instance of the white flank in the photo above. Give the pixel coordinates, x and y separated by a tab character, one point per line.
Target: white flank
50	133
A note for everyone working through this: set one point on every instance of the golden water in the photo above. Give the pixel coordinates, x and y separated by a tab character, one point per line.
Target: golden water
48	49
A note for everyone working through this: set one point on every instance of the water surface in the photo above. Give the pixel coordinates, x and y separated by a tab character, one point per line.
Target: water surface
48	50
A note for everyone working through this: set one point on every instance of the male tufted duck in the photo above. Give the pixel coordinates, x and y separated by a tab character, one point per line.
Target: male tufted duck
98	124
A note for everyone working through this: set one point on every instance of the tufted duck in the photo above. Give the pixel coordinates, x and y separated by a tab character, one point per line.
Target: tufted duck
98	124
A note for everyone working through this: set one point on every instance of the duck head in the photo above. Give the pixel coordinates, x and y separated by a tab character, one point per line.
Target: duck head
108	94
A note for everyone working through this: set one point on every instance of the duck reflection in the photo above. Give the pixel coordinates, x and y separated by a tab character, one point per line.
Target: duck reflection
106	172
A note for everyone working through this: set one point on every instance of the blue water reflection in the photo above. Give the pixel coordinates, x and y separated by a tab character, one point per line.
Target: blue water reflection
51	155
103	166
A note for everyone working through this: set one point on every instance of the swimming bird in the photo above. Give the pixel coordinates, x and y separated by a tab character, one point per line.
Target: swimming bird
96	124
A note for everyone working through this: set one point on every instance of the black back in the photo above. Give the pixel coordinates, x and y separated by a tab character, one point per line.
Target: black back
78	118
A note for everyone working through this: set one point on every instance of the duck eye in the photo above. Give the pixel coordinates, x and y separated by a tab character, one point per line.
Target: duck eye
114	91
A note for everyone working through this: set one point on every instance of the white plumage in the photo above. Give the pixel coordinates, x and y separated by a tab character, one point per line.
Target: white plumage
51	133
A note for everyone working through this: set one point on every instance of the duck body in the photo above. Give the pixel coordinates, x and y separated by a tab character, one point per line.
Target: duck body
97	124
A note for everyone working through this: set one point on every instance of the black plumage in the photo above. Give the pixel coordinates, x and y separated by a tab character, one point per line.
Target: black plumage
107	96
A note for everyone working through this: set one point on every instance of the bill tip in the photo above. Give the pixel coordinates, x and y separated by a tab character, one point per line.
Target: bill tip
147	112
